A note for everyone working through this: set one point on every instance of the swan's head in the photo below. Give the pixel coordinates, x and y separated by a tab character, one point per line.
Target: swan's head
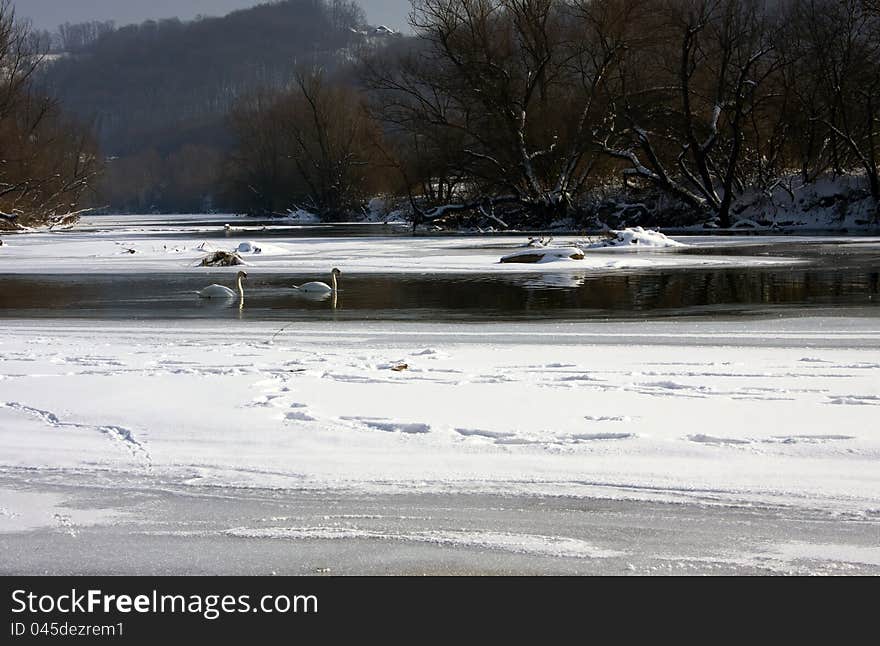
241	275
336	272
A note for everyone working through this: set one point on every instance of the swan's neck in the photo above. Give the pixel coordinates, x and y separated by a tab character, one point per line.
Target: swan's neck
241	292
333	280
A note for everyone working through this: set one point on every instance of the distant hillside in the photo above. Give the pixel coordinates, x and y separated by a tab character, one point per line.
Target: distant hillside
160	83
159	94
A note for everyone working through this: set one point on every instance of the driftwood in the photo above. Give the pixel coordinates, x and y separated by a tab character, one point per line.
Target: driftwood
539	256
222	259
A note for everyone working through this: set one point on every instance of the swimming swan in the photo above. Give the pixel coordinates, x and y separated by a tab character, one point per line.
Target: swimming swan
221	291
320	288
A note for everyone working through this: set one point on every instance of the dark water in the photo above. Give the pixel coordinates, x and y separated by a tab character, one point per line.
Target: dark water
838	277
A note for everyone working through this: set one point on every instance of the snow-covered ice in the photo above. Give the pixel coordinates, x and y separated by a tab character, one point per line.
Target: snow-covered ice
725	422
123	245
24	511
758	413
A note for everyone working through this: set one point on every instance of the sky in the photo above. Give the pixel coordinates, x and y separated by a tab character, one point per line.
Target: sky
48	14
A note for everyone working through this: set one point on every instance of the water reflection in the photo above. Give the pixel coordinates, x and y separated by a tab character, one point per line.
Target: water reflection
561	280
312	296
422	297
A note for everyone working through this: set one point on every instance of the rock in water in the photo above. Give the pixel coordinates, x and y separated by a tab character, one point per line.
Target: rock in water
222	259
545	255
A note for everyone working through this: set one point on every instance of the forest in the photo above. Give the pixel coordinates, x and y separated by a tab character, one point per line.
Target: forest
500	112
47	160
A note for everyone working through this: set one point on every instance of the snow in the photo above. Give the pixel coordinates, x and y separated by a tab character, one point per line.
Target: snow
248	247
303	217
252	247
775	416
634	238
681	411
554	546
24	511
103	244
801	551
546	254
829	203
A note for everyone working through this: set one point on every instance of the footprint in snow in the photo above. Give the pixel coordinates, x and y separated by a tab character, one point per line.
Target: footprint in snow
607	418
854	400
491	379
391	426
298	416
672	389
266	401
298	413
492	435
807	439
592	437
710	439
118	434
356	379
432	353
775	439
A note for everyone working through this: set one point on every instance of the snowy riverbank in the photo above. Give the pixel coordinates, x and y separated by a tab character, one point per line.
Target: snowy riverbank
210	448
775	412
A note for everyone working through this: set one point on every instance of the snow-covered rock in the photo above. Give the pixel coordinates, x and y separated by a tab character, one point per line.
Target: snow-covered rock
546	254
261	248
634	237
222	259
249	247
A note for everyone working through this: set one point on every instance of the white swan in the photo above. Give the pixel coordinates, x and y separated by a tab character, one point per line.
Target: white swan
221	291
320	288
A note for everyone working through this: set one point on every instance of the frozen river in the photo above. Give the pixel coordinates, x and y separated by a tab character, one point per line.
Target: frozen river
139	272
710	408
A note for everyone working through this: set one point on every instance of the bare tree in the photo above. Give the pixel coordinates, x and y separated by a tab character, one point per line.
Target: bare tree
331	139
76	37
312	146
835	76
256	167
513	83
721	56
47	161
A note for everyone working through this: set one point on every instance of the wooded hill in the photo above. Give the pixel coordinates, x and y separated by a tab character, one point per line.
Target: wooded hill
519	112
159	93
